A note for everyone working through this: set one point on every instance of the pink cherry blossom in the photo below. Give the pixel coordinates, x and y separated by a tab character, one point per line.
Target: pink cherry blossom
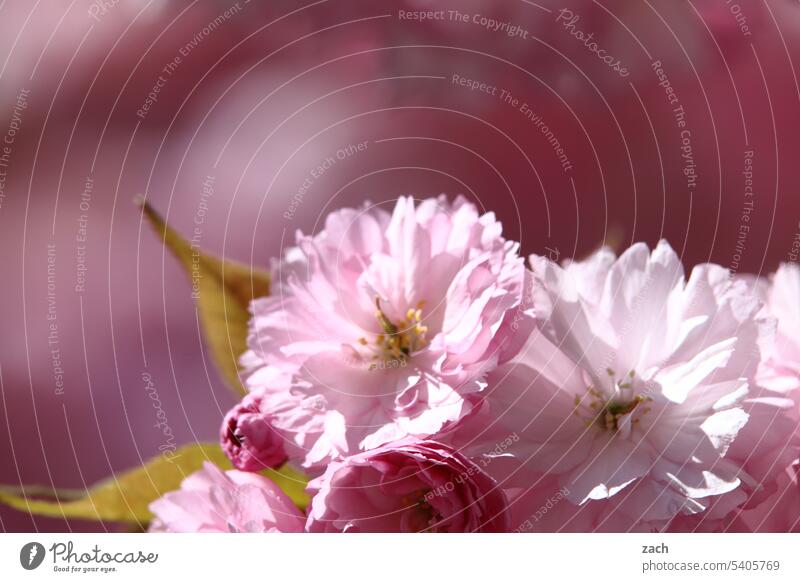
385	325
780	512
408	486
768	444
211	500
633	393
249	440
781	368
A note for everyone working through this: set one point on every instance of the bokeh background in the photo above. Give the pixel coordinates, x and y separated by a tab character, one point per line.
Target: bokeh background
244	119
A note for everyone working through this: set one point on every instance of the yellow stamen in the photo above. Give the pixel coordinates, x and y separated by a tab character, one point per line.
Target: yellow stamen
398	341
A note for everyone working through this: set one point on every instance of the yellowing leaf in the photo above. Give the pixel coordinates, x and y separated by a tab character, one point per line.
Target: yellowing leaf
291	482
125	497
224	290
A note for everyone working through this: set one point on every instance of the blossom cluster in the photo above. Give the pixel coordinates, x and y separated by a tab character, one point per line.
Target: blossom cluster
429	378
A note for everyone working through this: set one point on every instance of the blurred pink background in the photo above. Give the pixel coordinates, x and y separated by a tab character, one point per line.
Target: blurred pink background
245	100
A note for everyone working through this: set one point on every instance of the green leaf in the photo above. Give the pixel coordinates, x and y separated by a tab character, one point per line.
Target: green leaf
224	290
125	497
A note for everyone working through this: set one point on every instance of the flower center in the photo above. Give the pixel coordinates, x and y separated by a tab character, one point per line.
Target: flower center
420	515
618	409
399	341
